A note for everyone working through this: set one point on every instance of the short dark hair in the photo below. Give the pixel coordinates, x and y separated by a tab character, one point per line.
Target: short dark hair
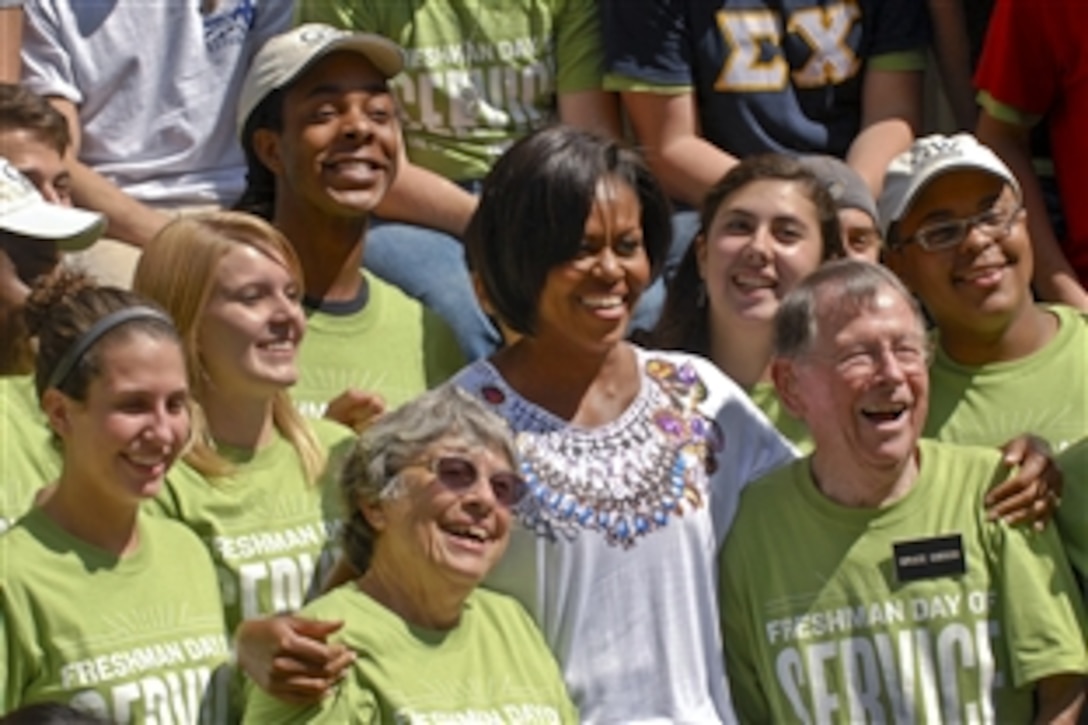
533	211
21	109
683	325
259	196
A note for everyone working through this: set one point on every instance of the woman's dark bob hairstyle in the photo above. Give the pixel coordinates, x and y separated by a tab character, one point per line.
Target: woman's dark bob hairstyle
533	211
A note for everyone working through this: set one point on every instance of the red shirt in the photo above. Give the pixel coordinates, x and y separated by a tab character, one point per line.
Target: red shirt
1036	61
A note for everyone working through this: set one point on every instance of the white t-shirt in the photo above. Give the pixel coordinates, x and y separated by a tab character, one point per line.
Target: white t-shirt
615	548
156	84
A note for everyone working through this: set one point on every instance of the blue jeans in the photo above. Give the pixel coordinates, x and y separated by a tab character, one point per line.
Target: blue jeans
685	224
429	265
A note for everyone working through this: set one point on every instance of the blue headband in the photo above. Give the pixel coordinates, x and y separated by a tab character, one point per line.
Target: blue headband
95	332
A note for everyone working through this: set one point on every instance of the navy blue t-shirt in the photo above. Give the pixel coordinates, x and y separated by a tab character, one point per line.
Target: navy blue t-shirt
768	75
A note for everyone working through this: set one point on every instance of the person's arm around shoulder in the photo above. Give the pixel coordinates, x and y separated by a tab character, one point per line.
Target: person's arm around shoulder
1061	699
420	196
952	50
355	408
646	61
290	657
666	126
891	113
309	657
594	110
340	705
579	50
1033	488
129	220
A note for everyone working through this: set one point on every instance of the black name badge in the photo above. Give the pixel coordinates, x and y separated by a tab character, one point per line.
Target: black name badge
932	558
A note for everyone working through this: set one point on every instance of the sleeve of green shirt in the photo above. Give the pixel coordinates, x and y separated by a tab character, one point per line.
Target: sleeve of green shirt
903	60
1005	112
740	650
1072	521
579	53
1041	612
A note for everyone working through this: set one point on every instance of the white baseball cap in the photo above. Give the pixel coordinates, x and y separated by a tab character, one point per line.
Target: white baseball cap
928	158
286	56
24	212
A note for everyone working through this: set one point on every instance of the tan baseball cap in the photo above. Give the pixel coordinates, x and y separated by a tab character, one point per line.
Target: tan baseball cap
24	212
286	56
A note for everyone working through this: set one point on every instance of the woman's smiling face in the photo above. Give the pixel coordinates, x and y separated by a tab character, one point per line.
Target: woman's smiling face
763	239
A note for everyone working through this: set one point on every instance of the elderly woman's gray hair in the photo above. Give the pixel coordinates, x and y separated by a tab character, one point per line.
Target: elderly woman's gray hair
400	437
856	284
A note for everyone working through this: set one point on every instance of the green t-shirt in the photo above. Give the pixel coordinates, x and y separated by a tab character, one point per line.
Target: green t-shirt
393	346
819	626
271	533
766	398
1045	393
1073	513
135	639
479	74
28	459
494	667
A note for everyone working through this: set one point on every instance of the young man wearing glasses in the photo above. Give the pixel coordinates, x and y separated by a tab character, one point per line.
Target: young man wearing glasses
956	234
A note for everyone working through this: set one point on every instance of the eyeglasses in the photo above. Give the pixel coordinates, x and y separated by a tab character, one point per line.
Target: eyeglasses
459	474
995	223
911	357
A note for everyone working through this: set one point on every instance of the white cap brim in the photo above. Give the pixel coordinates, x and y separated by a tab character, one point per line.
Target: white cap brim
71	229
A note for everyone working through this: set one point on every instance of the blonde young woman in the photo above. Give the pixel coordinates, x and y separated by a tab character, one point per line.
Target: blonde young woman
254	484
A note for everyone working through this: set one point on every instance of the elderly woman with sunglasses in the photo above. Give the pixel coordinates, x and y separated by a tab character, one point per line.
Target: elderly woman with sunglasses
428	492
